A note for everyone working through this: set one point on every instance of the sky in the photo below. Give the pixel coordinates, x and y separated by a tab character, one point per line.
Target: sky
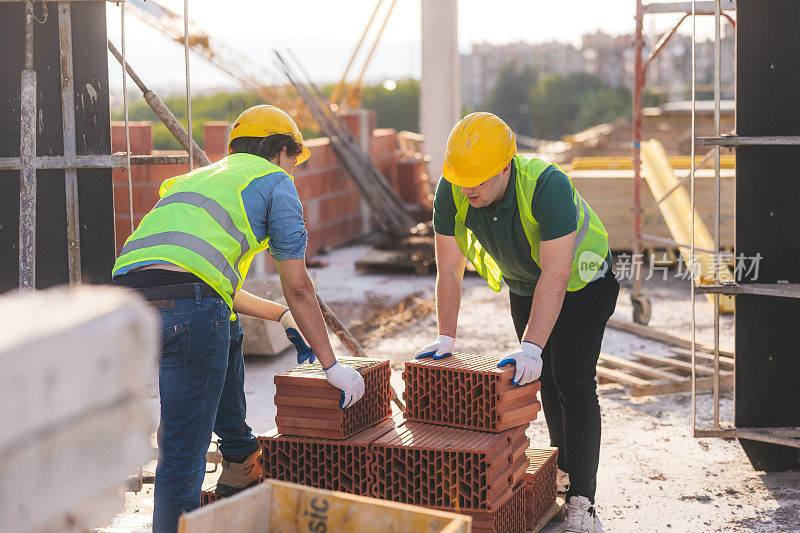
323	33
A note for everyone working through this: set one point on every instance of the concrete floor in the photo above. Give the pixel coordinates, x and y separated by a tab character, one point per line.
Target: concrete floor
654	476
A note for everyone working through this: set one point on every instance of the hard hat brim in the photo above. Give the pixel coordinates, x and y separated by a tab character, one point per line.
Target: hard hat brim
304	155
452	176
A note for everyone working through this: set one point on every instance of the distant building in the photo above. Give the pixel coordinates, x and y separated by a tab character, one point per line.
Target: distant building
480	70
611	58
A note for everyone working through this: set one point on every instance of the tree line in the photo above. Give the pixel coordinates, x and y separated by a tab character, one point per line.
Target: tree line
539	106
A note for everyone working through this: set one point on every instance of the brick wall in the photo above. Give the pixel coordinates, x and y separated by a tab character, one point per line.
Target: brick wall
331	201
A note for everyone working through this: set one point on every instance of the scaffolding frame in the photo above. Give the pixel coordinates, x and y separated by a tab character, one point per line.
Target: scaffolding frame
784	436
639	299
28	162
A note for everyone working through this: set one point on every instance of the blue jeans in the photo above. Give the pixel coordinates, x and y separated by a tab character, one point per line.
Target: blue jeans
201	383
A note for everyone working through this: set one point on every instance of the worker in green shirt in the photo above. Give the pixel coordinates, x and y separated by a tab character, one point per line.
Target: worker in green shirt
521	220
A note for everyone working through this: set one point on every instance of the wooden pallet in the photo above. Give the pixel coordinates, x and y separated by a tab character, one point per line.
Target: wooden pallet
648	374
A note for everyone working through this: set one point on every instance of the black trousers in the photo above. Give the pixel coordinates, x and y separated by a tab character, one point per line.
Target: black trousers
569	388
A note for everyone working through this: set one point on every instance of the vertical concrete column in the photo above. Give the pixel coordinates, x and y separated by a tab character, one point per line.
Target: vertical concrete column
364	137
440	105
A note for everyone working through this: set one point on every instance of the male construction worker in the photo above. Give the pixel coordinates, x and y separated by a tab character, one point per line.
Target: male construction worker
520	219
189	257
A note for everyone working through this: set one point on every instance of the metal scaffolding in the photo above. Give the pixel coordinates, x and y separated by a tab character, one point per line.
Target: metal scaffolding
28	162
639	300
785	436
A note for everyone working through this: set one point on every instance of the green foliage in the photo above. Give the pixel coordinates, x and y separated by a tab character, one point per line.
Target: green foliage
398	108
509	97
552	106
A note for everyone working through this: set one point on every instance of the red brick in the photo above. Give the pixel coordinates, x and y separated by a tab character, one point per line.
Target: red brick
435	466
141	137
307	405
215	139
468	391
540	483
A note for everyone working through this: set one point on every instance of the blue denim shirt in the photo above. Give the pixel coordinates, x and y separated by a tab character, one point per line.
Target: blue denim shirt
274	210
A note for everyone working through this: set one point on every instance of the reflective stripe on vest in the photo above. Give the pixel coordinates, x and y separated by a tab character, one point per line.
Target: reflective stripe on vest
591	239
215	211
190	242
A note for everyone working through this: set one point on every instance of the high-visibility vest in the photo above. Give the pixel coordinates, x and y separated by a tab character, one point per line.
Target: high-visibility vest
591	238
200	224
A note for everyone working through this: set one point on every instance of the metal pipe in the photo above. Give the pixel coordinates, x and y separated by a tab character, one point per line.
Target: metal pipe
68	129
127	121
691	194
638	82
188	79
27	156
162	111
717	69
663	41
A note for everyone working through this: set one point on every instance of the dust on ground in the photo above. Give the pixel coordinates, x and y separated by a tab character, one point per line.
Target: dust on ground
654	476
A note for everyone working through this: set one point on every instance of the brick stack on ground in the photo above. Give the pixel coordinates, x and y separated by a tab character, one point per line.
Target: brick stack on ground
454	449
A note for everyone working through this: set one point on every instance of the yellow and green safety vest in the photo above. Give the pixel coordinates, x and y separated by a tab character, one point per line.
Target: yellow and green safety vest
591	239
200	224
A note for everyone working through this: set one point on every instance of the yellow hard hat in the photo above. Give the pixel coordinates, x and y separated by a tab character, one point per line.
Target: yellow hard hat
266	120
478	148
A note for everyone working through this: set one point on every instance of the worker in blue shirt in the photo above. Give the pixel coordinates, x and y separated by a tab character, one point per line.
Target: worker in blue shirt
188	258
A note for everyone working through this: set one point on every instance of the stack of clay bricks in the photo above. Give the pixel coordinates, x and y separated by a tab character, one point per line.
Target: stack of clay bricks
460	446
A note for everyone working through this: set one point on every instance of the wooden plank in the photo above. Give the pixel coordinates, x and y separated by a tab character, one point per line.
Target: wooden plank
639	367
726	363
662	336
678	363
620	377
279	507
556	512
685	385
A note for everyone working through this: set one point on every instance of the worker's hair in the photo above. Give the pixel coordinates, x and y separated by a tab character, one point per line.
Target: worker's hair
266	147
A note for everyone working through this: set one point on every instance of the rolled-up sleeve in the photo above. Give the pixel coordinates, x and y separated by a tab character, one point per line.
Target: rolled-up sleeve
285	225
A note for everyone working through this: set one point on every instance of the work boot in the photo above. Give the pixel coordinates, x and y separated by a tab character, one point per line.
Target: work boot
239	476
581	517
562	482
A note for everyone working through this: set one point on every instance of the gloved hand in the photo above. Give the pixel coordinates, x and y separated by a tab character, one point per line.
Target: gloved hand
528	360
304	351
442	347
348	380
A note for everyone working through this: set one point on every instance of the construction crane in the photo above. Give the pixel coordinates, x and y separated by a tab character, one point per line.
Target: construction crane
352	100
265	83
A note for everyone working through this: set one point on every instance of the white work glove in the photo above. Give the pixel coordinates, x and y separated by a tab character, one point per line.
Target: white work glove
348	380
304	351
442	347
528	360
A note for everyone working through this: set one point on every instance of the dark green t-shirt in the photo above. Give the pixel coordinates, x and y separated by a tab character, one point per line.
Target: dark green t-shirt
499	229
